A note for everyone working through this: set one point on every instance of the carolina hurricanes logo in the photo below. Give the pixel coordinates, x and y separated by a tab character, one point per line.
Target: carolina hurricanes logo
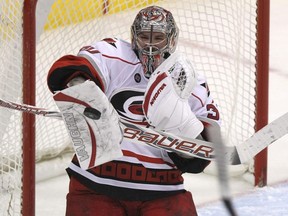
128	104
154	15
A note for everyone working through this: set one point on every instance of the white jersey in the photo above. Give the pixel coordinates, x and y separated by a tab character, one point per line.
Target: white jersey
144	172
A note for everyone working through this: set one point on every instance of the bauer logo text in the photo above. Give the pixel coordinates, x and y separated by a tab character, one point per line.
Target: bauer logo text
75	135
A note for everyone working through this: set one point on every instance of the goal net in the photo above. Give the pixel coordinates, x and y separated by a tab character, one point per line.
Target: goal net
220	37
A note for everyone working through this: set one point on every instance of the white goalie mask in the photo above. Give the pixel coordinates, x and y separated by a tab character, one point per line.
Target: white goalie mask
154	36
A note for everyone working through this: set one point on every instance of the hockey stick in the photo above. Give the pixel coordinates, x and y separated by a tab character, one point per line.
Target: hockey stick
169	142
222	168
190	147
30	109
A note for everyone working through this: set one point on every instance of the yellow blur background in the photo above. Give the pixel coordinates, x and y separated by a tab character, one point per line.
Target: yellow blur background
65	12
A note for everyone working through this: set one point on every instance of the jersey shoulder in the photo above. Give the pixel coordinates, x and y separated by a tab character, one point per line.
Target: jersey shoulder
116	49
201	93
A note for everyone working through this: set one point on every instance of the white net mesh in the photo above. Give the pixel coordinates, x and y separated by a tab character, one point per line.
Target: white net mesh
218	37
10	123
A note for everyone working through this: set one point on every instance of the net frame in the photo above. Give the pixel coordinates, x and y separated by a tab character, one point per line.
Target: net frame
29	89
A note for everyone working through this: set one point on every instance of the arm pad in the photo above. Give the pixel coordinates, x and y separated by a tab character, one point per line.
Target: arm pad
68	67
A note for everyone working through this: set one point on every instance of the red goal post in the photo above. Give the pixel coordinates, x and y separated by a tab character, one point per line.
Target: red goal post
226	40
262	86
28	129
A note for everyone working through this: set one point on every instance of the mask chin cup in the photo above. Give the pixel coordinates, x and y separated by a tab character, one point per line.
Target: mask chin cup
150	63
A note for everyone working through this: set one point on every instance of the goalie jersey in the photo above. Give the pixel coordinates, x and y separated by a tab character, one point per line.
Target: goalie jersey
143	172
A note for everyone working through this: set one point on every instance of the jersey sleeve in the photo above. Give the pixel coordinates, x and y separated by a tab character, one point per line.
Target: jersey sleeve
107	62
95	55
68	67
88	63
201	101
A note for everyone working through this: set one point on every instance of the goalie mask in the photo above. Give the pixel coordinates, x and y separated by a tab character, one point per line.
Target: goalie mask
154	36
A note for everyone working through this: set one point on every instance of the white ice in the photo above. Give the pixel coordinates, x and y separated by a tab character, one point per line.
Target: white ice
271	200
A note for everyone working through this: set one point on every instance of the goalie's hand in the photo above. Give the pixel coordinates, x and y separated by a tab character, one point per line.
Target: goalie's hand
166	104
189	165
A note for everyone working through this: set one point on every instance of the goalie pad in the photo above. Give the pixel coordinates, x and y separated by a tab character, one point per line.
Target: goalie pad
91	122
166	98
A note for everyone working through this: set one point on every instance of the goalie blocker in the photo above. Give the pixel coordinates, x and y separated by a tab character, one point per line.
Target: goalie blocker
91	122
